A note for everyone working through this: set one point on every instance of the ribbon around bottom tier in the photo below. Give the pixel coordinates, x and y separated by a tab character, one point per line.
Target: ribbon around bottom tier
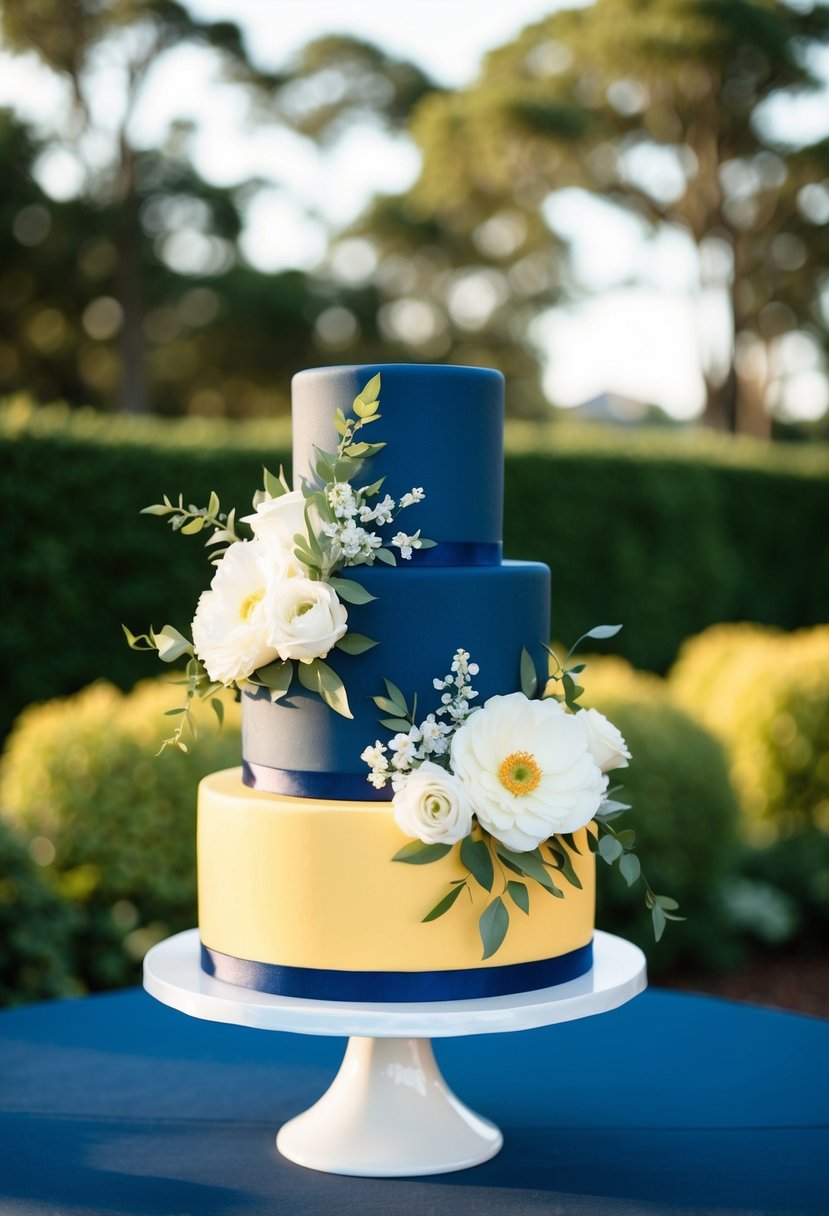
312	983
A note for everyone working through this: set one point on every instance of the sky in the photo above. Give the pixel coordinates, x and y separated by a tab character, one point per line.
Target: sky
641	341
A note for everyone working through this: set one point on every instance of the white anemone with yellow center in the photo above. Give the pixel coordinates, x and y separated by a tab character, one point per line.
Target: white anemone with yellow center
528	769
305	618
230	628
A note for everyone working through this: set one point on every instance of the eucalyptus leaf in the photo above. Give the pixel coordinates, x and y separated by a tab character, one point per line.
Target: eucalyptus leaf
609	849
417	853
493	926
443	905
476	857
218	709
630	868
193	526
396	724
519	895
277	677
351	592
385	556
659	921
530	865
274	486
213	504
171	644
157	509
370	391
665	902
529	676
355	643
324	680
395	694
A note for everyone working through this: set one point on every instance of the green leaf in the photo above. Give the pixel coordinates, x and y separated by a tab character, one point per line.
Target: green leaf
194	526
476	857
318	677
277	677
530	865
609	849
374	488
355	643
395	695
274	486
417	853
443	905
565	865
386	556
493	926
351	592
427	544
357	449
665	902
157	509
570	840
171	644
139	641
529	676
171	713
601	632
630	868
213	505
369	393
396	724
519	895
387	706
218	709
340	424
659	921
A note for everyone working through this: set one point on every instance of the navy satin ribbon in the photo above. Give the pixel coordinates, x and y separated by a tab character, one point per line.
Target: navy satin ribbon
457	553
295	783
312	983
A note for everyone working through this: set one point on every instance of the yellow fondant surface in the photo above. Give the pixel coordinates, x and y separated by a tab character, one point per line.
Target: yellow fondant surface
309	883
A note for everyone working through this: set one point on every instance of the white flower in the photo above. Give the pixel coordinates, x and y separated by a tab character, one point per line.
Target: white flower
405	750
605	740
382	513
406	543
305	618
433	735
415	495
341	500
528	769
433	806
278	520
230	628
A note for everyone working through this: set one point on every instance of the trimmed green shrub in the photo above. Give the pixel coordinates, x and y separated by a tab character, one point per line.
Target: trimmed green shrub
766	696
793	874
81	775
685	817
665	533
36	926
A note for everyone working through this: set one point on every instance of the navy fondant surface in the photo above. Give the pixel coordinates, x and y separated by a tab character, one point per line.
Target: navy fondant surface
420	617
444	431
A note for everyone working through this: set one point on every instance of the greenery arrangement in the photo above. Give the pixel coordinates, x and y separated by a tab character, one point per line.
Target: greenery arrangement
508	787
274	609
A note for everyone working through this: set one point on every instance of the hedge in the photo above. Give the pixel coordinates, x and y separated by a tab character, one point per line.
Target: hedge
765	694
665	533
80	777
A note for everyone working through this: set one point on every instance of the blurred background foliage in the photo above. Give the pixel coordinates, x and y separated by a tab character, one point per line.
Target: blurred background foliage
137	294
144	350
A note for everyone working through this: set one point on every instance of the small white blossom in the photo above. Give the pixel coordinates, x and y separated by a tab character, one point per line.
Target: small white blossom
377	779
382	512
341	500
438	684
405	751
415	495
375	756
406	543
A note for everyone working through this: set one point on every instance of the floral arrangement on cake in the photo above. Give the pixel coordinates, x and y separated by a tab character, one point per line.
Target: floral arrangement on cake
276	605
508	783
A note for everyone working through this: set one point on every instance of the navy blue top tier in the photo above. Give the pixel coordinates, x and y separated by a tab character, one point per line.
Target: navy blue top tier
444	431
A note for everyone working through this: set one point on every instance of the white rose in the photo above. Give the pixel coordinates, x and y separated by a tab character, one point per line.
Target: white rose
528	769
279	519
305	618
433	806
606	742
230	628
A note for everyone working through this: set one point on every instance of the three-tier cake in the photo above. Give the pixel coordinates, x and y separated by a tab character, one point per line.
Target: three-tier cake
299	892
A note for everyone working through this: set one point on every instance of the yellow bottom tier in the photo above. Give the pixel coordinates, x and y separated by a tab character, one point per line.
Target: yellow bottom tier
310	884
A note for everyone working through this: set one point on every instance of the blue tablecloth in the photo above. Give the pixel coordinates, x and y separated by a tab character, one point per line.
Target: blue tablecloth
673	1104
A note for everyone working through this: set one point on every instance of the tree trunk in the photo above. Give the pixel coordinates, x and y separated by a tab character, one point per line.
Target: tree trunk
132	389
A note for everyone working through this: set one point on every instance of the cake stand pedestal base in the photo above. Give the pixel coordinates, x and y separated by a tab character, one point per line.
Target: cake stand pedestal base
389	1113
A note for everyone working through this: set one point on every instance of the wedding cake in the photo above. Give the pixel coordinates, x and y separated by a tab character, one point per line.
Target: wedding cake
420	796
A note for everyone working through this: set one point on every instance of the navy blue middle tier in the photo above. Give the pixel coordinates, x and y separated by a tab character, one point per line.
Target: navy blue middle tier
420	617
443	427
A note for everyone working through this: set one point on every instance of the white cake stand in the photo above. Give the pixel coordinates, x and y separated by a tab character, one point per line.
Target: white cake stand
389	1112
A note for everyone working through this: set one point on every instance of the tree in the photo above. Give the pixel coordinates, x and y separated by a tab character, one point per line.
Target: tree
137	34
663	109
